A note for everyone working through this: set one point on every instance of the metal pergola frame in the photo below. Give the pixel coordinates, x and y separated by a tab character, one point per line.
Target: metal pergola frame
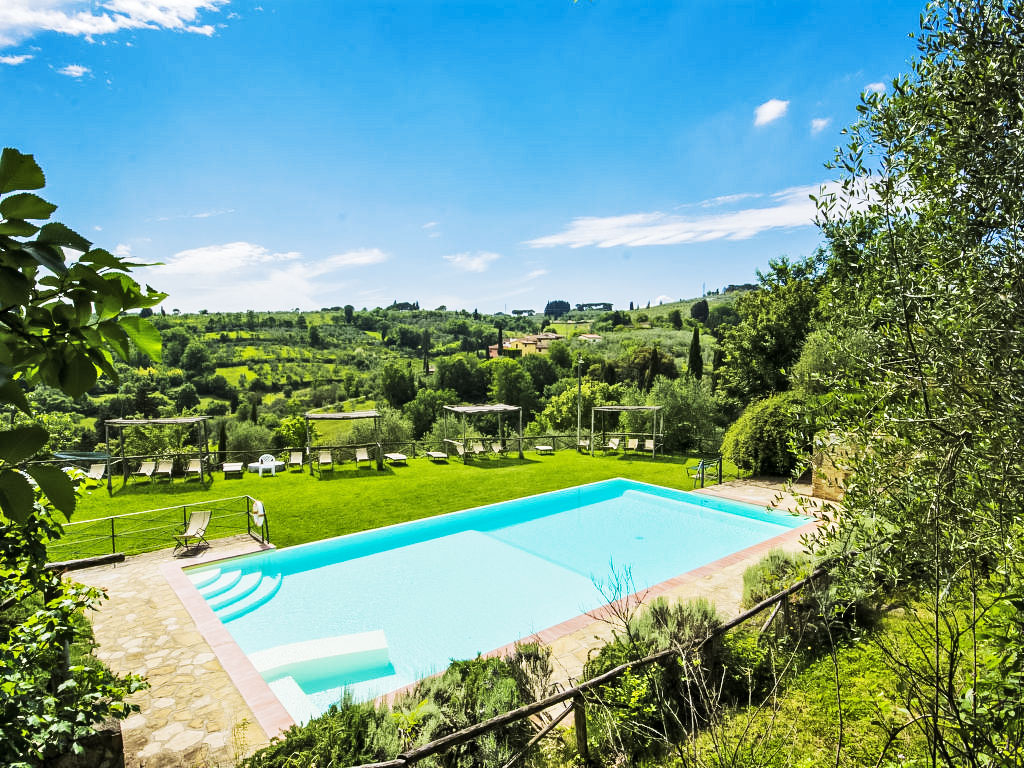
477	410
657	430
120	424
347	416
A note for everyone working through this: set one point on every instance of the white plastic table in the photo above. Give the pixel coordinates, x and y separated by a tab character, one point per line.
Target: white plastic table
257	467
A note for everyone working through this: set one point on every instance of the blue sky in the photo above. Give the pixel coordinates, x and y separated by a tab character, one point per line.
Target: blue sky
275	154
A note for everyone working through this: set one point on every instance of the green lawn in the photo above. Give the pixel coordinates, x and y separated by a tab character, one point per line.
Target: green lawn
302	508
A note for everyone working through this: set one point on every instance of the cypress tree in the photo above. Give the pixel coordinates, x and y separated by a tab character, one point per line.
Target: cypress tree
696	358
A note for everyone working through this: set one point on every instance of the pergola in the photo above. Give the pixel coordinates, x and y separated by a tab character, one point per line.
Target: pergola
656	429
347	416
176	421
478	410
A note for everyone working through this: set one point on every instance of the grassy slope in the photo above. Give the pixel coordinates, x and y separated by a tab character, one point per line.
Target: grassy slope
301	508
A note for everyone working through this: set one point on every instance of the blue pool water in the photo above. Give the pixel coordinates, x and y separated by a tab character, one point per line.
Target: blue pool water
456	585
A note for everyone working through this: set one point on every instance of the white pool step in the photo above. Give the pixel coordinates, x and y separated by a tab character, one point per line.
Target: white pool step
323	657
201	579
223	583
241	588
266	589
294	699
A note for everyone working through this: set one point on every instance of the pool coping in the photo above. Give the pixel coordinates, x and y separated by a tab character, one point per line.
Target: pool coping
274	719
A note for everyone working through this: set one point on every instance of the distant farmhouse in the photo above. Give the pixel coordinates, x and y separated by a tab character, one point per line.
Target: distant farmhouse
534	344
595	306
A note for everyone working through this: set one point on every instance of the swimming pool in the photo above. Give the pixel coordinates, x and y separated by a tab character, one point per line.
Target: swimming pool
377	610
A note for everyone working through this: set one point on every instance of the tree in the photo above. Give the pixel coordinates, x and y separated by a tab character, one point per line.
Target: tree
643	364
699	311
59	327
556	308
349	312
510	384
675	319
696	361
463	376
424	409
924	307
396	385
774	321
196	360
425	348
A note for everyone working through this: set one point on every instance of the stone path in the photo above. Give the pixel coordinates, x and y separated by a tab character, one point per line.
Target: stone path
193	714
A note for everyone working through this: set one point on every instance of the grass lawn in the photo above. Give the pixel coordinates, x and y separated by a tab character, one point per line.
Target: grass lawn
301	508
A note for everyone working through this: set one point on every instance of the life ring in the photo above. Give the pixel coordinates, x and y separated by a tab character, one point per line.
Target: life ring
258	513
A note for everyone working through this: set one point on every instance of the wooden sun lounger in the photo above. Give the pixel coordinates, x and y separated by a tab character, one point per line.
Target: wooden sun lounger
396	458
195	467
362	455
437	455
295	460
497	449
232	468
145	470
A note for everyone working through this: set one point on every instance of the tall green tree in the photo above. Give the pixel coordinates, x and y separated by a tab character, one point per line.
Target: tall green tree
925	306
61	323
696	360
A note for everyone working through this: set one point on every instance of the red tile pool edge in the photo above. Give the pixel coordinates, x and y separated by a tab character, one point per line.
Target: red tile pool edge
274	718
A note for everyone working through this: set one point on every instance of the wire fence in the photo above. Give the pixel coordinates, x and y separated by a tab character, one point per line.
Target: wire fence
153	529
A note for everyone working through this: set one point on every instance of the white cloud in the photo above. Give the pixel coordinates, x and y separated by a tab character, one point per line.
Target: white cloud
98	228
74	70
770	111
663	299
358	258
21	19
875	87
200	215
430	225
790	208
536	273
472	262
123	250
727	199
819	124
15	60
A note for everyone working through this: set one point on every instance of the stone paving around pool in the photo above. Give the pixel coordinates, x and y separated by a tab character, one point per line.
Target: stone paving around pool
193	714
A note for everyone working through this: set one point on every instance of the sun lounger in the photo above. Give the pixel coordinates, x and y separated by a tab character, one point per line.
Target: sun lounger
396	458
195	467
544	448
649	445
584	444
478	449
362	455
145	470
232	468
497	450
437	455
459	449
192	538
324	461
165	469
612	445
96	471
295	460
632	444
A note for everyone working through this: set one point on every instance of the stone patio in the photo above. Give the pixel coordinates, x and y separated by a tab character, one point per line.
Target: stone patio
193	713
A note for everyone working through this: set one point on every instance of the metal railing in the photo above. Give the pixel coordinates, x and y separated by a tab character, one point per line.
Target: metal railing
575	697
152	529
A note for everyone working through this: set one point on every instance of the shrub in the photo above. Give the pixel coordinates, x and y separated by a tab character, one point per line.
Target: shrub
759	440
776	571
249	439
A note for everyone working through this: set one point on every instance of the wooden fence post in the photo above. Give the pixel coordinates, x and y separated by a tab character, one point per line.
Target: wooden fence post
579	717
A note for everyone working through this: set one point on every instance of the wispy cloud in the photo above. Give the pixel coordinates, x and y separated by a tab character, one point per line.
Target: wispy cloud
770	111
727	199
123	250
663	299
790	208
22	19
358	258
536	273
15	60
199	215
431	227
819	124
74	70
875	87
472	262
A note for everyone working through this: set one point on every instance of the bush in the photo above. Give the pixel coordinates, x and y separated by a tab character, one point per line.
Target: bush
249	439
776	571
759	440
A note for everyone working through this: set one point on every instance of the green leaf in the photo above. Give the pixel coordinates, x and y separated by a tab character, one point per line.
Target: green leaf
18	171
56	233
145	336
11	393
18	228
47	255
21	442
77	374
15	288
17	498
102	258
56	485
26	206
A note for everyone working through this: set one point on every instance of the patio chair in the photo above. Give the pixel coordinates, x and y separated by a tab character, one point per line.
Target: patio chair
145	470
632	444
583	445
267	461
612	445
193	537
96	471
295	459
195	467
496	449
478	449
709	467
362	455
649	445
324	461
461	450
164	468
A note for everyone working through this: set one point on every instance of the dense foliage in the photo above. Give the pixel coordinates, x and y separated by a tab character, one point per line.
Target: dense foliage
763	439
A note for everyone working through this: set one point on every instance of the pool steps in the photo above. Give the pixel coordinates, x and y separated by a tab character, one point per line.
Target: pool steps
234	593
223	583
323	657
264	591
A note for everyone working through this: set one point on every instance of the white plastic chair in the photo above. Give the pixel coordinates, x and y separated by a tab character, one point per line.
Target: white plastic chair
266	461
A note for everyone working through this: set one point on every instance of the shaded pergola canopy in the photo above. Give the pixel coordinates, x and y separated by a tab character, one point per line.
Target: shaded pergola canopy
488	409
651	409
616	408
171	421
346	416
